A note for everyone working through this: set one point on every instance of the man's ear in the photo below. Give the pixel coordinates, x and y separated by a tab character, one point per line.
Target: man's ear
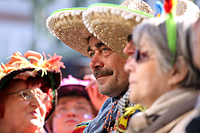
178	72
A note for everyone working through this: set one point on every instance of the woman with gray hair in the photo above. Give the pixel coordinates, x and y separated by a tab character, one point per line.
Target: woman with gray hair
162	77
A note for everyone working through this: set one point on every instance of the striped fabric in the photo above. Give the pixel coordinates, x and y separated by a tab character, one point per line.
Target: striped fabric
124	103
80	127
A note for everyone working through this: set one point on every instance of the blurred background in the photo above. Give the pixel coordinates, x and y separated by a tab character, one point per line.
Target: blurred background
23	27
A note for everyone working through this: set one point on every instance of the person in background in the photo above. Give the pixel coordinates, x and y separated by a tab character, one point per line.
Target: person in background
73	107
28	91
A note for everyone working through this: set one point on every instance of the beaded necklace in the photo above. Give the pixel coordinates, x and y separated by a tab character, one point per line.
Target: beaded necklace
109	115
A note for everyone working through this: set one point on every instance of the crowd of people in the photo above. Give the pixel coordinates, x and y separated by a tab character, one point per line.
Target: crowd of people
145	73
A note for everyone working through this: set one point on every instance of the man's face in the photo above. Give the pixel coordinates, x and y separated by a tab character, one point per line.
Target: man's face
196	44
107	67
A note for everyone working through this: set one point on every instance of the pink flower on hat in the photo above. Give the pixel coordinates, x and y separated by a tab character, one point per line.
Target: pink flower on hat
74	81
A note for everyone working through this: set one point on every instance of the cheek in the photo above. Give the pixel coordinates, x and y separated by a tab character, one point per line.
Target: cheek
143	95
119	69
144	85
57	123
198	45
85	117
196	51
139	91
21	106
88	116
133	94
15	113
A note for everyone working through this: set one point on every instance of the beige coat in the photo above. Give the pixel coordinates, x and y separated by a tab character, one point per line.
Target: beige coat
143	121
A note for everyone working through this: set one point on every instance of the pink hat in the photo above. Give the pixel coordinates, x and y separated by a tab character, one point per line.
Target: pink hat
72	86
74	81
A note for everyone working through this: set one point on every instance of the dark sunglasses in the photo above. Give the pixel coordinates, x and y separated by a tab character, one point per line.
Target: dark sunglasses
139	57
136	54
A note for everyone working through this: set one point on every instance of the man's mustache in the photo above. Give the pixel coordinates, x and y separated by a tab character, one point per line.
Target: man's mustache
102	72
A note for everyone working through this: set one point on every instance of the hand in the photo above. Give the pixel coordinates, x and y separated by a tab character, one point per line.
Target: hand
97	99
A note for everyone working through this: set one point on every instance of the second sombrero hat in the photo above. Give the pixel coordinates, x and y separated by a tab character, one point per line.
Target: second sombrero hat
67	25
112	23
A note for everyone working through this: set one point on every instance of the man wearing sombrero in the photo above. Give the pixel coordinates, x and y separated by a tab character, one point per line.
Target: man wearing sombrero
107	59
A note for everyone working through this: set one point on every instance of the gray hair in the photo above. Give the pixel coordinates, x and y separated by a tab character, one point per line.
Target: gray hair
154	31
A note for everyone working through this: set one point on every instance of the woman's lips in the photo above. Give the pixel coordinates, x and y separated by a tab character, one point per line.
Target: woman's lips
71	121
34	113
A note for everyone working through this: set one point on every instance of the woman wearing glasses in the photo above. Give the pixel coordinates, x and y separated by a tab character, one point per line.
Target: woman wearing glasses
162	77
27	92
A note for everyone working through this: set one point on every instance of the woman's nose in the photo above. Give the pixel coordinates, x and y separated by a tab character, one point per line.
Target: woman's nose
71	112
36	101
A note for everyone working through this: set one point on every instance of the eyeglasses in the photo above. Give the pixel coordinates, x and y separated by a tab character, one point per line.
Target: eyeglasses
136	54
79	109
29	94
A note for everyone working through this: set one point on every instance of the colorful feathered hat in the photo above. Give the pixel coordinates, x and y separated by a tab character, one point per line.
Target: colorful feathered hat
30	65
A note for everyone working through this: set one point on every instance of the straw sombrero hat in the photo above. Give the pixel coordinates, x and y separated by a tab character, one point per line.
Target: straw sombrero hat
67	25
187	8
112	23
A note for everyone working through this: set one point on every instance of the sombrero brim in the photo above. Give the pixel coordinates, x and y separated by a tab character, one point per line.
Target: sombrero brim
55	78
112	24
67	25
188	9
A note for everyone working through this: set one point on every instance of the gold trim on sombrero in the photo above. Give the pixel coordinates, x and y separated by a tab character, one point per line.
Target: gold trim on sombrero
112	24
67	25
137	5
